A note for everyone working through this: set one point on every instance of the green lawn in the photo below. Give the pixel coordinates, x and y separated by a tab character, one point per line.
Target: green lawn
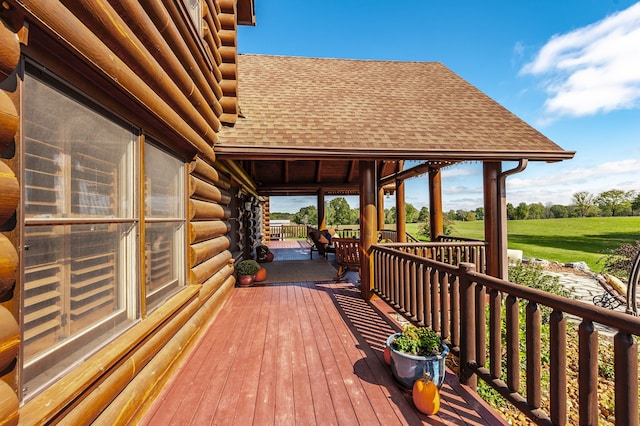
562	240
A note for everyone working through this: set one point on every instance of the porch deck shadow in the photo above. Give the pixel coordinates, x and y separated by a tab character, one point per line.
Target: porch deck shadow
300	353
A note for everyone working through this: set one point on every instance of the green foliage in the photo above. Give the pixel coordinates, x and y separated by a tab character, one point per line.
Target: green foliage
424	214
247	267
618	261
411	213
582	203
424	229
614	201
339	213
280	216
306	216
418	341
536	277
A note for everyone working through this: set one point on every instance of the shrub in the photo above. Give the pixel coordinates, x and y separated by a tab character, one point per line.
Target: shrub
247	267
619	261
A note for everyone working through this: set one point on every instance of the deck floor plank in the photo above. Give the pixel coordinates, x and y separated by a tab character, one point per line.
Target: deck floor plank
323	407
300	353
302	398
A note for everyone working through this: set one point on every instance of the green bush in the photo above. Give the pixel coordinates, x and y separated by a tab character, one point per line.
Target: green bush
247	267
418	341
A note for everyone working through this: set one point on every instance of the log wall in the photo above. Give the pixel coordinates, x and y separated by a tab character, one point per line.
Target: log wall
9	199
143	60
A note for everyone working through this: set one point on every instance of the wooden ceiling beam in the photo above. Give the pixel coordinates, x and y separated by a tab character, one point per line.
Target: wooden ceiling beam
318	171
353	167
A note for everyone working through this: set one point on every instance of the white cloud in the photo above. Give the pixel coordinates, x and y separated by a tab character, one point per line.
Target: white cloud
592	69
600	172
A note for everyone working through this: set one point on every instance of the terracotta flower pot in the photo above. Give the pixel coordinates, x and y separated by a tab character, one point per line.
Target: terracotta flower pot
245	280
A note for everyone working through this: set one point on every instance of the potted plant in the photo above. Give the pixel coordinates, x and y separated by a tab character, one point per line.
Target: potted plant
263	254
416	352
246	270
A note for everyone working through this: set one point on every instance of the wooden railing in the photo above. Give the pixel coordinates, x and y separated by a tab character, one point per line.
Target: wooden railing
452	253
392	234
283	232
465	307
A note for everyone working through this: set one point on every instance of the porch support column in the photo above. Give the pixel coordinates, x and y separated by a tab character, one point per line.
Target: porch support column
380	208
494	218
368	219
401	208
401	212
435	204
322	219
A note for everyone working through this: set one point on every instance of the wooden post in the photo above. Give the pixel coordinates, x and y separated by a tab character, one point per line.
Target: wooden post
322	219
492	217
380	208
435	204
368	229
401	212
467	326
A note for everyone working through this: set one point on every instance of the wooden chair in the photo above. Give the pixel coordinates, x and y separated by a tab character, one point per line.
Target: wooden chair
347	255
317	245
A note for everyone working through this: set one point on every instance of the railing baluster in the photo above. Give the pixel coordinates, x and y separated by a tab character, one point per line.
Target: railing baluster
467	327
534	316
435	300
420	290
513	344
588	373
443	279
396	283
403	297
414	290
427	296
626	379
454	285
481	329
495	335
558	368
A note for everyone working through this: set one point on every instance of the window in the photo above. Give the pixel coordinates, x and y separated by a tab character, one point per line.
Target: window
195	12
82	279
164	232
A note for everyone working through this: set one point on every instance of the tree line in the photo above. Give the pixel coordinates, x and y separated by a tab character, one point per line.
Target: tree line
613	202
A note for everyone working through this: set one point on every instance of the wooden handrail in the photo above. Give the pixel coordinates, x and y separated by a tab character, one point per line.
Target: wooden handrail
422	289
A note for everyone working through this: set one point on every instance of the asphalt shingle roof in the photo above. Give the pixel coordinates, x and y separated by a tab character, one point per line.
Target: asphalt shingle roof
309	107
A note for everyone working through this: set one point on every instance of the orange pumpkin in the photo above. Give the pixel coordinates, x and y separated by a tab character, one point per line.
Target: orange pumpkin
387	355
426	396
261	275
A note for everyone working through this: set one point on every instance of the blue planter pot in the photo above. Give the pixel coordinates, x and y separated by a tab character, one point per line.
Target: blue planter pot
407	368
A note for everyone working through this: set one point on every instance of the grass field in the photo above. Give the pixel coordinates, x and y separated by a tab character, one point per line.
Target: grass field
561	240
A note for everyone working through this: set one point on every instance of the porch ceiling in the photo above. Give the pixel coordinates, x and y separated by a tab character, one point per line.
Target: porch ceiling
305	122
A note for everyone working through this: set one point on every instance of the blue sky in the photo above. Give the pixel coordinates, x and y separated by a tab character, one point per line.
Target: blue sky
569	68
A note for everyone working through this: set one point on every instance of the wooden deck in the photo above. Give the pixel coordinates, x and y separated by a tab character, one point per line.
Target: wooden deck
300	353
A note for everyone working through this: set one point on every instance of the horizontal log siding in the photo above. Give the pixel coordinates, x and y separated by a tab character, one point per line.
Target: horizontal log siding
9	199
82	40
169	80
147	51
228	52
200	231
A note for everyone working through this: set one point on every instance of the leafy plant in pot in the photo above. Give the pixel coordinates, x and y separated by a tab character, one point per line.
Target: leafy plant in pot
246	270
416	353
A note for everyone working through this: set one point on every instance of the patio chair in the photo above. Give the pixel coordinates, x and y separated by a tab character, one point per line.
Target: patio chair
317	241
616	293
347	255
